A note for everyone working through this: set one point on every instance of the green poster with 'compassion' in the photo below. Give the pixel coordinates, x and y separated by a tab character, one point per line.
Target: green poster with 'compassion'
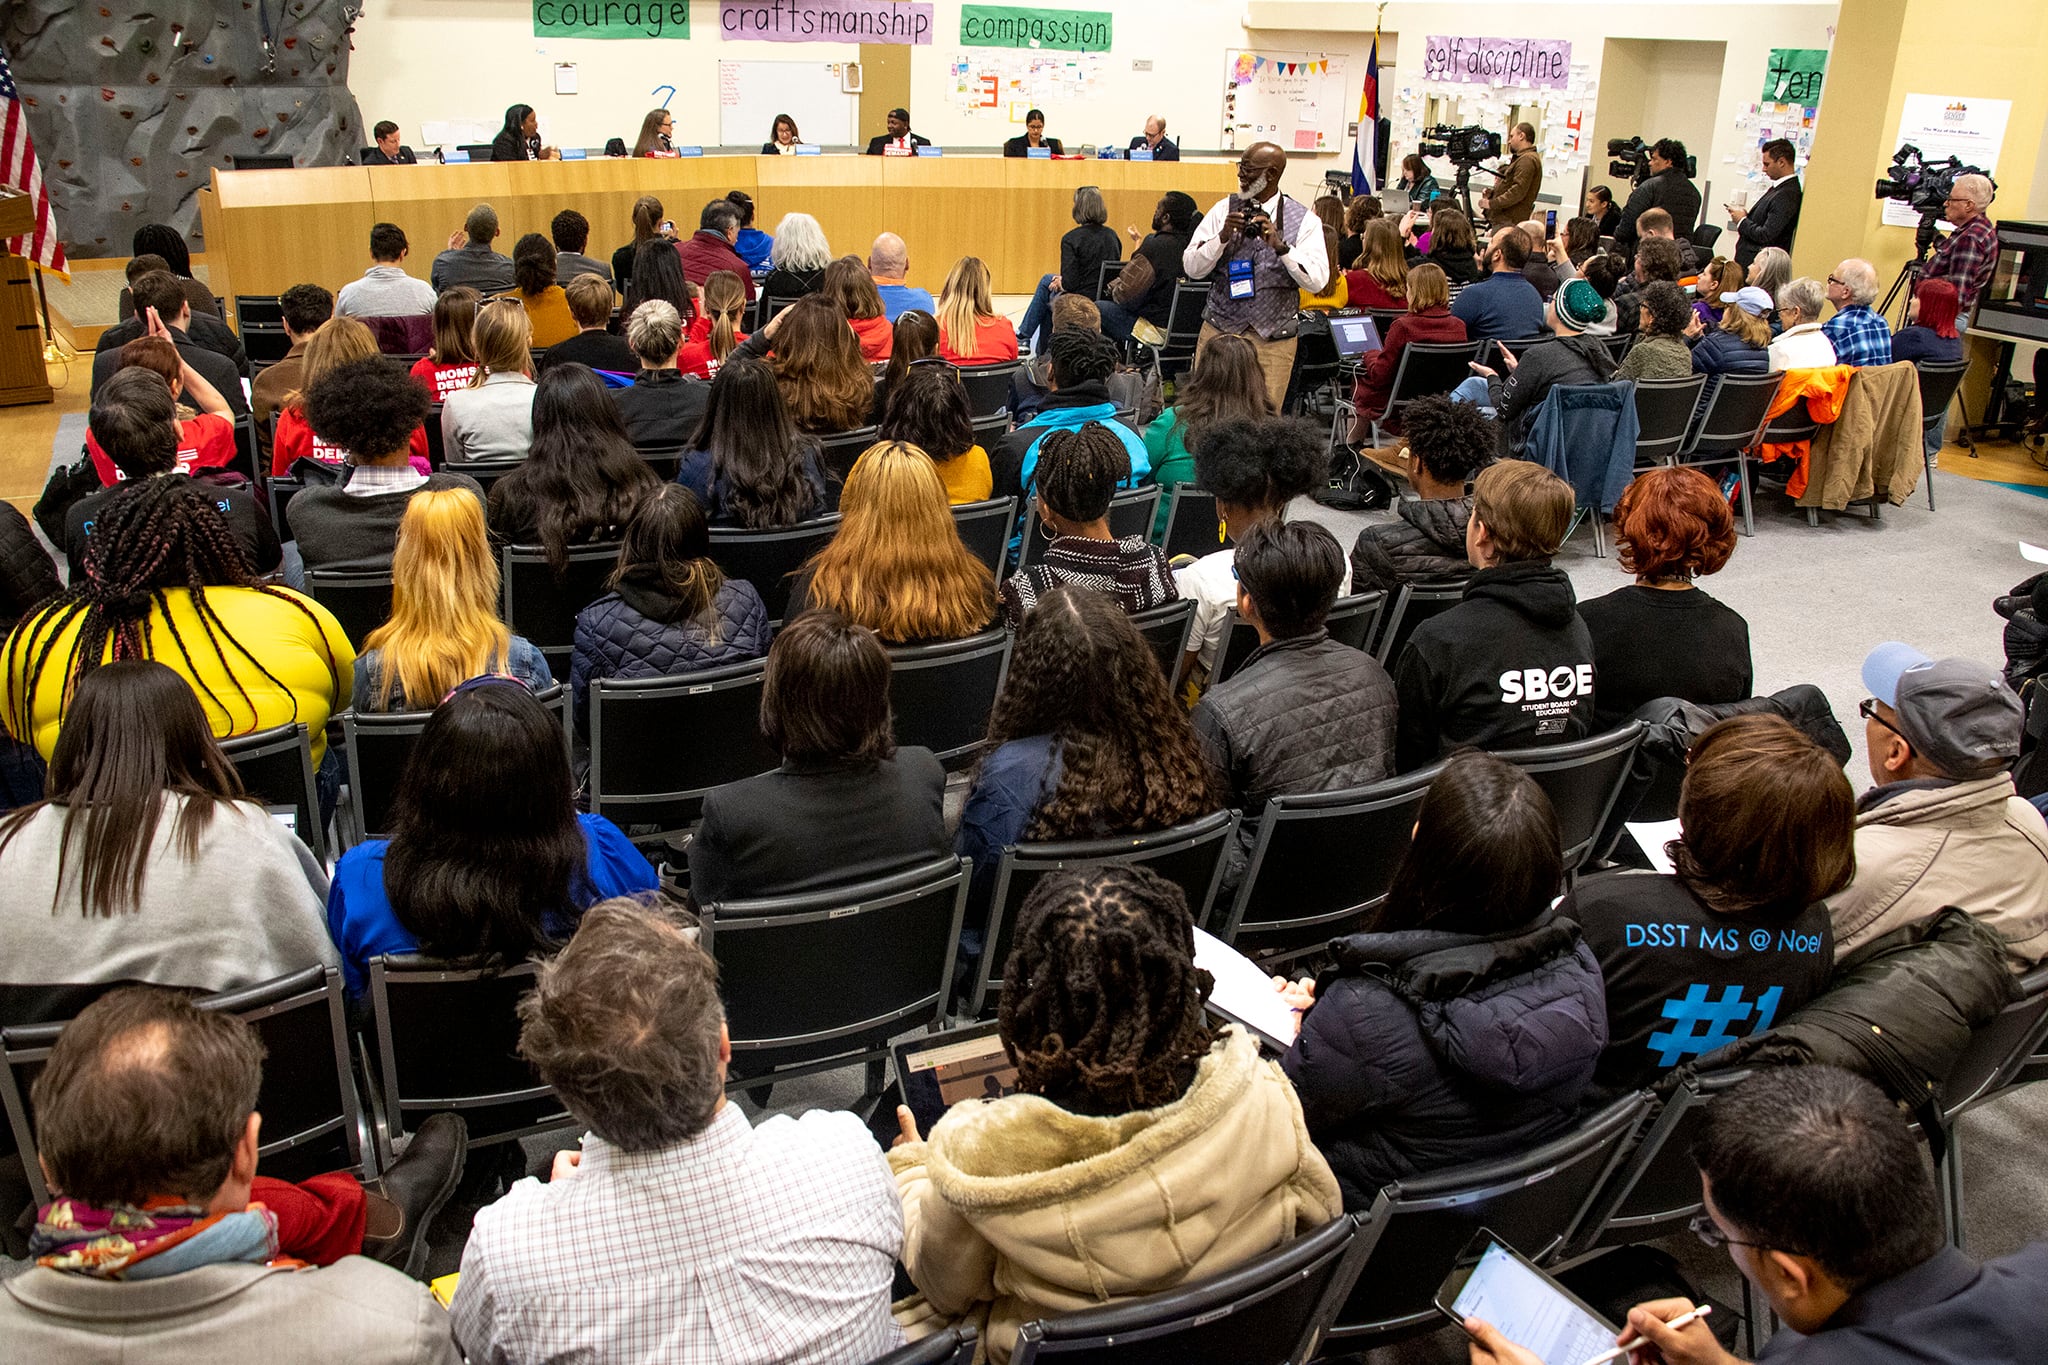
1066	30
611	18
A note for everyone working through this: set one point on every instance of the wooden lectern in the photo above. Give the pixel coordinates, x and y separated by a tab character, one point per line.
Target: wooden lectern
24	378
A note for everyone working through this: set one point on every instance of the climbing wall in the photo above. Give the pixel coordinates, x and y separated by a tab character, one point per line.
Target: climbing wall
131	102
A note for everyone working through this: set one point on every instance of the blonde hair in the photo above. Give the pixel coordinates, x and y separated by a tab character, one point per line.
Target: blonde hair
963	302
1752	329
722	300
444	627
897	565
1428	287
334	343
1524	507
501	338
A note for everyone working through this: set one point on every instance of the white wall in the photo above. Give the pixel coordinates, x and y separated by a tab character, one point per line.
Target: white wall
420	60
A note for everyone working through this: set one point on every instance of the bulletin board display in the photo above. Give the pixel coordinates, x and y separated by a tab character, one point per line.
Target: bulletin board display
1296	99
1002	85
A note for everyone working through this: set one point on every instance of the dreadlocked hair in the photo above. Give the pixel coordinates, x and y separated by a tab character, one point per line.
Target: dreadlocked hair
1078	471
1082	673
152	537
1102	1008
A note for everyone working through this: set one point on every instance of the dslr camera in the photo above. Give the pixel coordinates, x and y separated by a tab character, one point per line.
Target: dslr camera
1464	146
1631	160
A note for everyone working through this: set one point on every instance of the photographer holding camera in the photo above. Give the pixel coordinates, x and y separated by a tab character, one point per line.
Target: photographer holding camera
1665	187
1515	186
1271	248
1967	257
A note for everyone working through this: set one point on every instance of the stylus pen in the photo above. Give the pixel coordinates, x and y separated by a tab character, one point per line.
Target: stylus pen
1681	1320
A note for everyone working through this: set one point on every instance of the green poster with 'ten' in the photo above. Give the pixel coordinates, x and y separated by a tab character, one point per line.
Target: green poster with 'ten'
1065	30
1793	76
611	18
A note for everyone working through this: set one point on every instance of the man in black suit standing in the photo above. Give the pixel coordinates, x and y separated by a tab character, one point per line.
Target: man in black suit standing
899	135
1155	141
388	151
1774	217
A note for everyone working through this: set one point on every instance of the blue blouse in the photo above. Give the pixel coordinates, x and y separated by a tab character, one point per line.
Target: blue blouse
1014	782
363	925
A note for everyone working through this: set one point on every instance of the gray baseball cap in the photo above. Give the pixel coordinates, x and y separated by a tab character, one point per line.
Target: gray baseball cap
1959	714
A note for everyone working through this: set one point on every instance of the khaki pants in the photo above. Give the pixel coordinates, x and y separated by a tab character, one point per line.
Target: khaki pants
1276	358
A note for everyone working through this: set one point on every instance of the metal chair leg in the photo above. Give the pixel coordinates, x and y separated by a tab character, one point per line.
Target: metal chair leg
1599	535
1742	474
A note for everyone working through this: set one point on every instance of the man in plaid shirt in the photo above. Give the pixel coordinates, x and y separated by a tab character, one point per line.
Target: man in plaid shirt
680	1232
1966	259
1859	335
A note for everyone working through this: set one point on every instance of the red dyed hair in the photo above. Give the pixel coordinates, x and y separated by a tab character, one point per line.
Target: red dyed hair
1673	523
1938	307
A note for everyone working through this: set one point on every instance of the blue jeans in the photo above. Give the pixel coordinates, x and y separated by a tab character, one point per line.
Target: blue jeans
1117	320
1037	317
1473	390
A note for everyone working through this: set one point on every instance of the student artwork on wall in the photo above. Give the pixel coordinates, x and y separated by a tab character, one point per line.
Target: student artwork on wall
995	81
1490	83
1293	98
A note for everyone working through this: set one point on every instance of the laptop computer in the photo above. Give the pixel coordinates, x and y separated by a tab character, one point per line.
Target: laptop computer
1395	201
1354	336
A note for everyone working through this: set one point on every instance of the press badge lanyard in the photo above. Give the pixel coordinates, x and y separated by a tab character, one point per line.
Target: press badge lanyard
1240	267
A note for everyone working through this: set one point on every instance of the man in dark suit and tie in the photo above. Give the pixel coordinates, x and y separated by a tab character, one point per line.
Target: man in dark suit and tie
1774	217
388	151
1155	142
899	135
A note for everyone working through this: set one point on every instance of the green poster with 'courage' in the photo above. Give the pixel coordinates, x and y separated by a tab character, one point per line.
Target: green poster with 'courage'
611	18
1065	30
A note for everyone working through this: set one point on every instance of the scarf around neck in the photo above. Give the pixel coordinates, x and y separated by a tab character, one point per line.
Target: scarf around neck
164	1237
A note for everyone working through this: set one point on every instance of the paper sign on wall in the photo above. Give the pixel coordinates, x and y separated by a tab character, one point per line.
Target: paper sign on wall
1971	130
1793	75
618	19
1071	30
1543	63
825	21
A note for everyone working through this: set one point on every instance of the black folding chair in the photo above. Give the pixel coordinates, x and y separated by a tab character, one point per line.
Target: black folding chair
1582	778
1166	629
1533	1201
1656	1192
985	529
486	473
276	767
665	458
766	306
1183	329
941	694
657	745
825	979
1272	1310
992	428
437	445
1316	364
1189	855
279	492
954	1346
1322	864
312	1118
1414	604
987	386
447	1040
768	558
542	607
380	742
1796	423
1992	1060
837	452
1730	428
1664	412
1940	382
1191	523
1351	622
259	322
359	597
1130	514
1426	369
1104	273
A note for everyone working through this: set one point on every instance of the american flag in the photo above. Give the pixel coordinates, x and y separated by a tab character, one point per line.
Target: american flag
20	169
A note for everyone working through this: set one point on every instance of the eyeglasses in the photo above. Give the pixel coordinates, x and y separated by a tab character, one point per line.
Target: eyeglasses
1709	1232
1836	279
1867	708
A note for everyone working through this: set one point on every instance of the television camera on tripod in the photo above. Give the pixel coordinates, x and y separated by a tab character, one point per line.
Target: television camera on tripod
1925	186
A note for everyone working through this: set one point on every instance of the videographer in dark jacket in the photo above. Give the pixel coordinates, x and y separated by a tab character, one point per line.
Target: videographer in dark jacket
1512	664
1304	713
1667	187
1466	1024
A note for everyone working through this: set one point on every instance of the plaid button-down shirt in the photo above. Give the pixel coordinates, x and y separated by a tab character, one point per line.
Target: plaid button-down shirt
1965	260
1859	337
744	1244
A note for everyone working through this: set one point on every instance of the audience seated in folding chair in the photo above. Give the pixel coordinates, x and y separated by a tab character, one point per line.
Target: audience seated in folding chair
451	364
662	406
1082	364
1226	385
747	462
1428	319
897	565
1142	1150
1078	475
444	627
816	360
581	479
1466	1024
926	407
595	344
1660	350
338	342
492	417
1444	445
846	805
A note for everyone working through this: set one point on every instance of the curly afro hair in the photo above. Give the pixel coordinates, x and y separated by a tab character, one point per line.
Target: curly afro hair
368	407
1669	310
1264	464
1453	440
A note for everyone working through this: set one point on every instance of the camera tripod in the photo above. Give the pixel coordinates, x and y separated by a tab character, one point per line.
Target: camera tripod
1901	292
1462	183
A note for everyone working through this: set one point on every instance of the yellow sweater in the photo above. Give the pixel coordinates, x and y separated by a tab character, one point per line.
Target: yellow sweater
548	310
305	650
967	477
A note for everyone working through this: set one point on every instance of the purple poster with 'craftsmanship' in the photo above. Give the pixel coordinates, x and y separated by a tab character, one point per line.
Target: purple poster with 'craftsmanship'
826	21
1541	62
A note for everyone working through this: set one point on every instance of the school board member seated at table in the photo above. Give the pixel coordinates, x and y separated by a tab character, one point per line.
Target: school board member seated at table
1155	141
899	137
783	138
519	139
1033	138
388	151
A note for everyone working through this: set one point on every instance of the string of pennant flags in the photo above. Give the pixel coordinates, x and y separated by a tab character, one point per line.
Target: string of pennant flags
1250	64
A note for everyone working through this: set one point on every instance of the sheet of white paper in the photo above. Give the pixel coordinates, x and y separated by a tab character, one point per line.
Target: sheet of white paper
565	78
2033	553
1244	990
1650	837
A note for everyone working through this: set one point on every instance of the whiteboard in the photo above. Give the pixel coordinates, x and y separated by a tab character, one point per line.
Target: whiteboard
751	94
1293	98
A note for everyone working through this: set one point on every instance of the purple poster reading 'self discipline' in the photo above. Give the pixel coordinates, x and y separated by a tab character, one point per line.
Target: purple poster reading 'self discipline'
826	21
1544	63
